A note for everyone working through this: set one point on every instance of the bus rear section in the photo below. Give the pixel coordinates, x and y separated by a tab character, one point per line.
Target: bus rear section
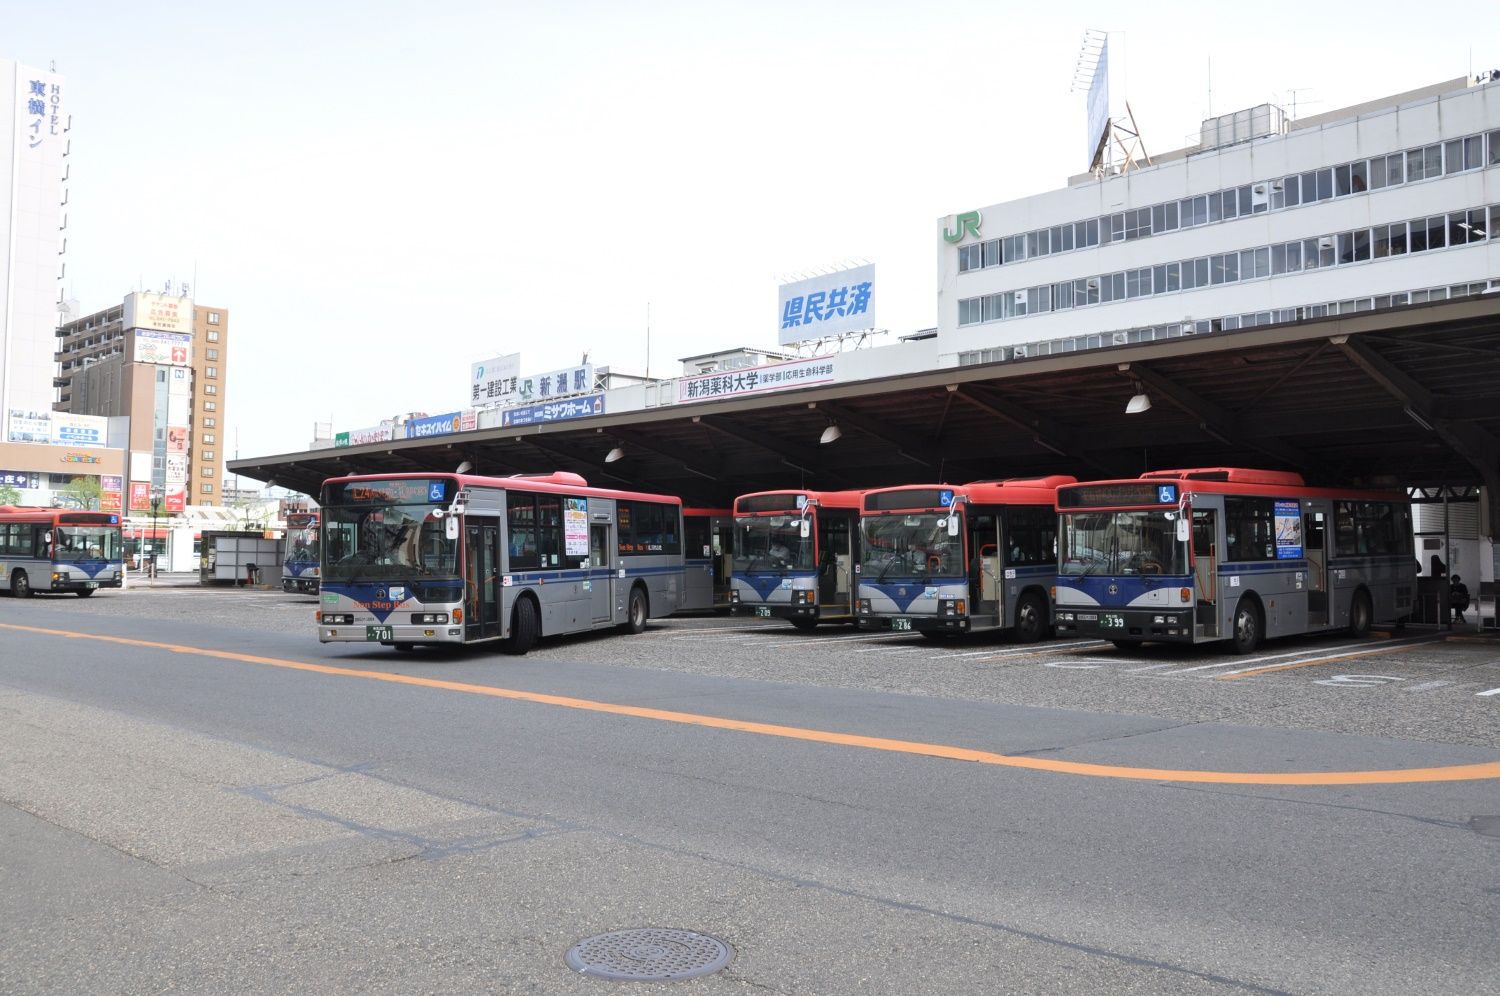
944	559
794	556
300	569
1229	554
707	558
410	560
51	550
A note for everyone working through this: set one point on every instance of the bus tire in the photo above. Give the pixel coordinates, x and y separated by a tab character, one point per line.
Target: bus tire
1127	646
523	627
405	648
936	634
637	611
1247	628
84	592
1361	614
806	625
1031	618
20	584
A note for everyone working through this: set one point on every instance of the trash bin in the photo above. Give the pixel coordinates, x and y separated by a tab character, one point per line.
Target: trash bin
252	574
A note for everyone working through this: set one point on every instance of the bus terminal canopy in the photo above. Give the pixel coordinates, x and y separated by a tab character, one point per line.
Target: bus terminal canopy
1405	396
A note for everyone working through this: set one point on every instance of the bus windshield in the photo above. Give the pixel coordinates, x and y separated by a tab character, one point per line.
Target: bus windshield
302	539
1120	543
914	544
771	543
369	542
75	543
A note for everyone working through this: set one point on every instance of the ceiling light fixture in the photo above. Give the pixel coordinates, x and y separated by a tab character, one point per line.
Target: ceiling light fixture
1141	402
830	434
615	454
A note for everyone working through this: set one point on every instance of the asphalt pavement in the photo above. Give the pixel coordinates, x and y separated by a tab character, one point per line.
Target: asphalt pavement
196	795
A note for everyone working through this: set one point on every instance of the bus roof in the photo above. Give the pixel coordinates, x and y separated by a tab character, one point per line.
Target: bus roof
1013	491
708	511
39	513
824	499
557	483
1206	480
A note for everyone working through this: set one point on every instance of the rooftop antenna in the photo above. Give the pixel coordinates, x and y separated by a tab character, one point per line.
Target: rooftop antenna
648	340
1294	101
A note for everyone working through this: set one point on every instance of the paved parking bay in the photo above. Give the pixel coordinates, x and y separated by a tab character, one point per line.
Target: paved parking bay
195	794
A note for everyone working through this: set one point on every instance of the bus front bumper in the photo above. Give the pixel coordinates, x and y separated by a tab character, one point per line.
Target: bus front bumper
62	582
914	623
1124	624
386	633
292	584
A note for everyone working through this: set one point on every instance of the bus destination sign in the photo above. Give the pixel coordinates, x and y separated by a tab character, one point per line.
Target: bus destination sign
1127	494
410	492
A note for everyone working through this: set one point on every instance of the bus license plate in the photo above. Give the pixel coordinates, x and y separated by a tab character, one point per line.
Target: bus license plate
901	623
379	633
764	611
91	584
1111	621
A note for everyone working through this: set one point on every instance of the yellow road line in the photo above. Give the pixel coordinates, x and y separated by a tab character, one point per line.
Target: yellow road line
1316	661
1451	773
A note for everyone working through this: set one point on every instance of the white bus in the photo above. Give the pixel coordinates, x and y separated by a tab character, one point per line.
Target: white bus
413	559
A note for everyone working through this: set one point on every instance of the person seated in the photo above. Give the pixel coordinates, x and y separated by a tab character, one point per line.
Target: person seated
1458	598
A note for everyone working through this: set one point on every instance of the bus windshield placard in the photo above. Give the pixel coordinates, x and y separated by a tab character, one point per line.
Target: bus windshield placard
408	492
887	501
1130	494
789	502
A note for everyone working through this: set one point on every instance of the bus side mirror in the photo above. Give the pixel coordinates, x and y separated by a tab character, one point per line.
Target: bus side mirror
450	527
804	528
47	537
952	525
1182	529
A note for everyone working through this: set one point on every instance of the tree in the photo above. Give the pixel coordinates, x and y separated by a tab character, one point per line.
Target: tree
9	495
82	492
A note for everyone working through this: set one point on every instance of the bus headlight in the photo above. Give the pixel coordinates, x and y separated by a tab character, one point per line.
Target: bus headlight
430	618
734	594
804	598
337	619
952	607
864	606
1064	616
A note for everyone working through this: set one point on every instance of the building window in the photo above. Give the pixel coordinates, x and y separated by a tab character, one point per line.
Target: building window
207	489
208	439
210	388
207	455
210	371
213	354
213	335
206	472
213	318
208	423
210	406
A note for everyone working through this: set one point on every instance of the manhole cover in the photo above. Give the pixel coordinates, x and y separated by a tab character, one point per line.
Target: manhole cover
649	954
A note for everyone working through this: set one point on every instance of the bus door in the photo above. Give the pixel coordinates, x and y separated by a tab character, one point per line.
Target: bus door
723	553
835	561
1315	552
1206	569
601	584
985	586
482	580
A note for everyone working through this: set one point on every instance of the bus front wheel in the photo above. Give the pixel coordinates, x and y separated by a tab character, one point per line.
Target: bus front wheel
20	585
805	624
1031	618
635	620
1361	614
523	628
1247	627
84	592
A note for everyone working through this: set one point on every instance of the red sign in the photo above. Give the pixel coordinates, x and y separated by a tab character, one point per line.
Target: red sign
140	496
176	497
109	501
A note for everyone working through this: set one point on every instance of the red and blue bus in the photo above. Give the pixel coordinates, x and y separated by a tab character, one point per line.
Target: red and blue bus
794	555
1226	553
52	549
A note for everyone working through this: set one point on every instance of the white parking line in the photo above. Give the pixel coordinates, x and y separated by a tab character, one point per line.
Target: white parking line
1305	652
1428	686
1492	691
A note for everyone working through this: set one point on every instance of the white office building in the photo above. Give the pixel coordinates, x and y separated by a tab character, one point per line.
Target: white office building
33	147
1267	220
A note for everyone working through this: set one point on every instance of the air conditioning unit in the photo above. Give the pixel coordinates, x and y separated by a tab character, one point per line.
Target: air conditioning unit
1093	283
1326	242
1120	338
1278	184
1260	188
1018	352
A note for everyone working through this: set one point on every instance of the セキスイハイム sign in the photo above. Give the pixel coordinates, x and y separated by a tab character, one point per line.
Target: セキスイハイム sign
827	305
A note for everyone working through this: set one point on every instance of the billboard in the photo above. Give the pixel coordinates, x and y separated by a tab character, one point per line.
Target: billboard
491	381
164	348
29	427
111	492
1100	111
553	411
176	498
20	479
176	464
177	437
78	430
434	425
359	437
140	496
827	305
159	311
757	380
180	382
178	406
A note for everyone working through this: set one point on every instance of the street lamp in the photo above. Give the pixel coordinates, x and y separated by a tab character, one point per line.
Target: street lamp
155	510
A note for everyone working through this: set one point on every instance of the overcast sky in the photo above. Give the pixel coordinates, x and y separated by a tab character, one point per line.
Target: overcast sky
382	193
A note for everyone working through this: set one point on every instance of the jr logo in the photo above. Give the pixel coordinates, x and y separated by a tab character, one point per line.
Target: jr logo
964	224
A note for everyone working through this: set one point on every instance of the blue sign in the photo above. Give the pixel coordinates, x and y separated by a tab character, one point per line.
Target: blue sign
436	490
945	498
436	425
554	411
1166	494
